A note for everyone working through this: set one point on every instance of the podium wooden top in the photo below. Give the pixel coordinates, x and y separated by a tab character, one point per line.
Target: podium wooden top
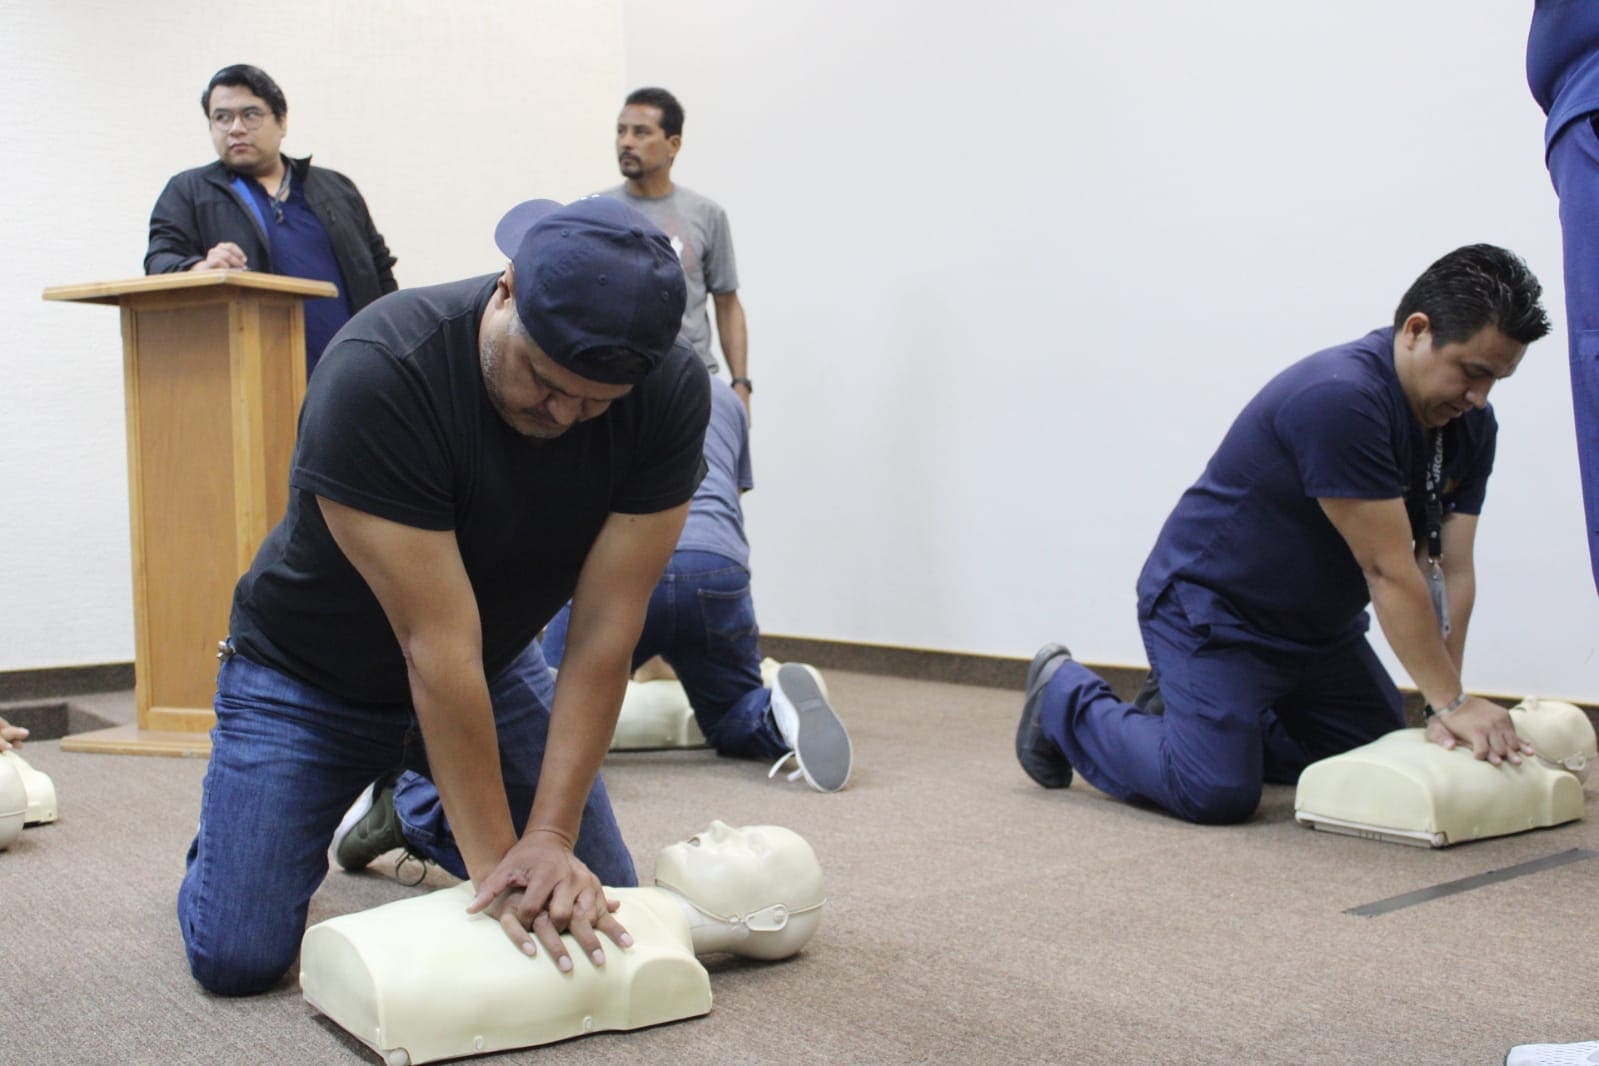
114	292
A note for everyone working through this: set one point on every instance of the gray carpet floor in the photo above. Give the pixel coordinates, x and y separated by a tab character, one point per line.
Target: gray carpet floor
971	917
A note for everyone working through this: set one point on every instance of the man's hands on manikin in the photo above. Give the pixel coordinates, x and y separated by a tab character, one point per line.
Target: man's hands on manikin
540	890
1484	725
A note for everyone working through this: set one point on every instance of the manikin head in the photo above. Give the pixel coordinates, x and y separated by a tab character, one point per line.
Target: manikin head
761	880
1560	733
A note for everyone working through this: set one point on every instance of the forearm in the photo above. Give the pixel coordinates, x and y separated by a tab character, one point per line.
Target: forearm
452	704
1404	610
588	695
167	257
1462	593
734	333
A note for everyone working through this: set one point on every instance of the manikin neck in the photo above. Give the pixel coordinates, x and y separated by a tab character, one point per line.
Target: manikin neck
708	934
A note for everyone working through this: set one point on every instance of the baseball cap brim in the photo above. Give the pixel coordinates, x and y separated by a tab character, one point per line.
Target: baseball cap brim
518	220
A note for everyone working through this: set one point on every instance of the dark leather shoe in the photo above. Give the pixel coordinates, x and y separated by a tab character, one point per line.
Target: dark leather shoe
1039	755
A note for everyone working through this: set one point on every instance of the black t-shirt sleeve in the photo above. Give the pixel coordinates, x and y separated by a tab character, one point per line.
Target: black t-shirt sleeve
371	439
671	454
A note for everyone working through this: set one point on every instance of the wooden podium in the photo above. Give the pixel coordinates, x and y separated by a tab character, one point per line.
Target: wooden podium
214	369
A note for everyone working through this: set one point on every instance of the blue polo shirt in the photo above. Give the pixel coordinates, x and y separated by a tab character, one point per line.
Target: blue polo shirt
1563	61
300	248
1249	548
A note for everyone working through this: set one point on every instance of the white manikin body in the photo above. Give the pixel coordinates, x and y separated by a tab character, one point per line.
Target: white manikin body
13	803
27	797
420	980
656	714
1403	788
40	789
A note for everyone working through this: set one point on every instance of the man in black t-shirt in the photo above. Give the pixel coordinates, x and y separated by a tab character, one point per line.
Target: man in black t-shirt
470	456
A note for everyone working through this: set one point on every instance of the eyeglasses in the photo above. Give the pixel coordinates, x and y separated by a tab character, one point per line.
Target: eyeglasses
251	117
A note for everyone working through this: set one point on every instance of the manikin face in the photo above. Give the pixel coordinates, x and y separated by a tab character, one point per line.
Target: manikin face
245	150
733	872
1447	381
642	148
534	395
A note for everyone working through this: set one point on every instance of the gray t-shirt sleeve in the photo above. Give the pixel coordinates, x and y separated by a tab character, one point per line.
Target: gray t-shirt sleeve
720	266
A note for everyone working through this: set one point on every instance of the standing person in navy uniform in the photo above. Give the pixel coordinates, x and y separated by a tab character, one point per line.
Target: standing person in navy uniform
1354	478
1563	71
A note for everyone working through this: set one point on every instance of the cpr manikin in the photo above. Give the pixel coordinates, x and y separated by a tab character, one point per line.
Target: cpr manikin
420	979
656	714
27	796
1404	788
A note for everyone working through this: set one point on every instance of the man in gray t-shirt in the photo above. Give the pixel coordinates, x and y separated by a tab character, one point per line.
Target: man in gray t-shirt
649	133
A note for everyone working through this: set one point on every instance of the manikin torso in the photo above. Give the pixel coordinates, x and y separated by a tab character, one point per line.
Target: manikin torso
1402	787
420	979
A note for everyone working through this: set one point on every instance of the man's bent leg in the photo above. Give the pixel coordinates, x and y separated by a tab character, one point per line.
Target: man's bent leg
1345	699
716	653
280	777
1201	759
522	696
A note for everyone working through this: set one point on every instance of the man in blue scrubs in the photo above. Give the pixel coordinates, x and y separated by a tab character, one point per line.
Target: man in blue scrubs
1563	71
1354	477
257	209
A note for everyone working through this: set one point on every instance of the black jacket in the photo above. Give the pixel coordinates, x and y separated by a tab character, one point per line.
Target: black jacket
199	209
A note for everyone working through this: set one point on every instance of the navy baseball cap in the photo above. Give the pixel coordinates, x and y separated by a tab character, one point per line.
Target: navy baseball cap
598	287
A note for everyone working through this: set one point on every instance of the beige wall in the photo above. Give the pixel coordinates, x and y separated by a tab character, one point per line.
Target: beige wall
443	114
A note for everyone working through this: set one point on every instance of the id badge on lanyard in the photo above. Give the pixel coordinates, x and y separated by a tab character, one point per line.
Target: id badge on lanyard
1435	534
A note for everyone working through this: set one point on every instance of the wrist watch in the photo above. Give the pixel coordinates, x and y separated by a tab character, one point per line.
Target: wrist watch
746	382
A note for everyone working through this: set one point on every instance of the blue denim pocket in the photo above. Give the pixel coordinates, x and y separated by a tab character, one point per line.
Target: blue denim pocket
729	619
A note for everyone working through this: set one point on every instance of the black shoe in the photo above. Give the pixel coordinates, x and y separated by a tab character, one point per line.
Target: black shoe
1038	754
1149	700
370	827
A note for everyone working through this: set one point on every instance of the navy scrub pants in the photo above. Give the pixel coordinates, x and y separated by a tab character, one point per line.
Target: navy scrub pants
1238	713
1574	169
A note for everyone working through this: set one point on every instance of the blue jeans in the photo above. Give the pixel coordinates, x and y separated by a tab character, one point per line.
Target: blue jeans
701	620
287	760
1574	169
1238	713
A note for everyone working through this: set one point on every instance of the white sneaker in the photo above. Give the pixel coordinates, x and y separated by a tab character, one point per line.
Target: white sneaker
810	728
1554	1054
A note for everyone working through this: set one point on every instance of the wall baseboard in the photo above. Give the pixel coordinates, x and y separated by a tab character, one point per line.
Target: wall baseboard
18	685
891	660
992	671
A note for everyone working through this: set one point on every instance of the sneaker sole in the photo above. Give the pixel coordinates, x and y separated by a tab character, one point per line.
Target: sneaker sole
352	817
821	744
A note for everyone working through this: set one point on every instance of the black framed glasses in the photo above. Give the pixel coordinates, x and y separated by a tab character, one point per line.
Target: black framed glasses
251	117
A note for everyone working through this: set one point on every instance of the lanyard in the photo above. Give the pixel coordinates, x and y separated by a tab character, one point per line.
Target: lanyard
1435	532
1434	501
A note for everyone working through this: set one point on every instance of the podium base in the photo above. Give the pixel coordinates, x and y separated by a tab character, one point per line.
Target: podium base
131	740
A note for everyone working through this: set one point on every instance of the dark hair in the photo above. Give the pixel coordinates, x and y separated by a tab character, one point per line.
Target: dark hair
671	110
1476	286
253	78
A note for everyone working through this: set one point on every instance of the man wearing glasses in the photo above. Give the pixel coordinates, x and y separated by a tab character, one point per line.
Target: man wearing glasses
257	209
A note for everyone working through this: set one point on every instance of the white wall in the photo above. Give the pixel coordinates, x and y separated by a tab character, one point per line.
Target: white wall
444	115
1011	269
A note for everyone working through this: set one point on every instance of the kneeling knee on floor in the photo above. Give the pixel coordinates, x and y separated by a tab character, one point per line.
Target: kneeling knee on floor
1217	804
